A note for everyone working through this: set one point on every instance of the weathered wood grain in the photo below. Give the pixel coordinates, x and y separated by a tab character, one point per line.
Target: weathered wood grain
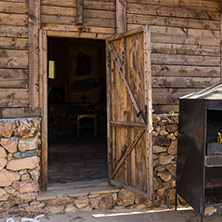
15	8
79	19
185	71
13	31
20	112
66	3
13	19
34	25
57	10
169	96
14	97
13	43
172	22
120	16
174	11
206	5
79	29
185	49
13	58
183	82
184	60
13	78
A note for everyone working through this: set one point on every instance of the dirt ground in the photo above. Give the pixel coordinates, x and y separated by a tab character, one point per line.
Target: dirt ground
187	215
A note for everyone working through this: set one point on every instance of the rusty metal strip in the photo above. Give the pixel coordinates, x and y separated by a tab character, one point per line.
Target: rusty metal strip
127	152
115	57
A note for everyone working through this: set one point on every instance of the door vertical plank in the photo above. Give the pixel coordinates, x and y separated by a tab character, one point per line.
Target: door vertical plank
108	93
120	16
125	105
34	26
43	95
148	97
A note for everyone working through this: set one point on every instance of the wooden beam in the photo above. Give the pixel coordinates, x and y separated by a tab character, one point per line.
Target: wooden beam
127	124
120	16
43	95
127	152
20	112
79	19
148	97
34	26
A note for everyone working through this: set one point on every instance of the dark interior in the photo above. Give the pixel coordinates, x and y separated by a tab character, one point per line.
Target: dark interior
76	86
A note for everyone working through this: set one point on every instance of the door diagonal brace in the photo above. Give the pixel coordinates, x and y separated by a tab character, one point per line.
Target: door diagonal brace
127	153
115	57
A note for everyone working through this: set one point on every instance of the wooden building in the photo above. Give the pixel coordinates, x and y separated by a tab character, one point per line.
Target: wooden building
176	43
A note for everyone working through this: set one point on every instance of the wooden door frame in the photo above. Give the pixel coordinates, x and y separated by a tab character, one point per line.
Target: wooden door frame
43	92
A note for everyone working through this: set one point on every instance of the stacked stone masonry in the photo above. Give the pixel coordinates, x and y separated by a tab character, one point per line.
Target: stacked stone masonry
19	173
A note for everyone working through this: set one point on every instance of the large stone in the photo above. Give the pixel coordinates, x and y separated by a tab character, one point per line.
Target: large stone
164	160
71	208
171	196
162	141
172	169
25	131
125	198
7	178
54	209
172	150
9	190
81	203
6	129
171	128
102	202
35	173
3	153
36	122
10	144
4	197
157	183
28	144
21	164
158	149
18	198
3	163
4	206
36	208
30	153
2	192
156	118
163	133
165	176
25	186
59	201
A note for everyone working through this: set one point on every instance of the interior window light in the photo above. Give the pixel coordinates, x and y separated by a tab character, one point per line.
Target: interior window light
51	69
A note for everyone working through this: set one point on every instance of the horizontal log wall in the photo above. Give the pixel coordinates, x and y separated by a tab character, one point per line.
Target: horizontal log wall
14	78
98	17
185	46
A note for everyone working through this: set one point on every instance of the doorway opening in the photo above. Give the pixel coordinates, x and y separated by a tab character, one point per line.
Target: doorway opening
76	106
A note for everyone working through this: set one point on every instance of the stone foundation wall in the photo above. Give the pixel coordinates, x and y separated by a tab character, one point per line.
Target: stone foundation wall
19	162
20	170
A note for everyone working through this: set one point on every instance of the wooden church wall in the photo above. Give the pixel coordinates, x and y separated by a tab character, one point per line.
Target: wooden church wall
185	46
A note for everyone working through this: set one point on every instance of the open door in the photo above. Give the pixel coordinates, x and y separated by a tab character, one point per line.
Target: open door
129	111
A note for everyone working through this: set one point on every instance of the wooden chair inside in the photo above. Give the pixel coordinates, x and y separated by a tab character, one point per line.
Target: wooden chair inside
87	126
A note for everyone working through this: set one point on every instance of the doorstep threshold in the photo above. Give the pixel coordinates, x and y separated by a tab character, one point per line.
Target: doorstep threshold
77	189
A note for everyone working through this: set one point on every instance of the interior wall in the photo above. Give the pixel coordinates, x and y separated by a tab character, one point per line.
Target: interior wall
76	89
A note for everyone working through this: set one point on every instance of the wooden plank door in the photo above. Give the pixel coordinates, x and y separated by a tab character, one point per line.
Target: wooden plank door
129	111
